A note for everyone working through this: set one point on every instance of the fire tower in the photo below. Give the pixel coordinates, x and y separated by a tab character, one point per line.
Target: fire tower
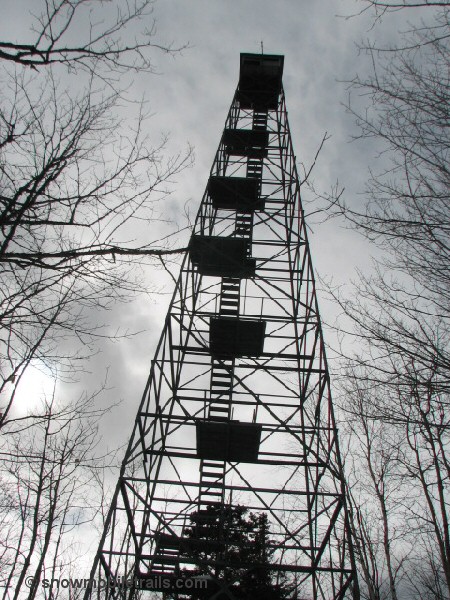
237	410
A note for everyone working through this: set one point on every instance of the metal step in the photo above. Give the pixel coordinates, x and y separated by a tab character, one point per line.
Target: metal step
212	495
254	168
244	229
220	383
212	484
212	473
229	297
220	387
259	120
213	464
222	393
221	374
244	219
219	409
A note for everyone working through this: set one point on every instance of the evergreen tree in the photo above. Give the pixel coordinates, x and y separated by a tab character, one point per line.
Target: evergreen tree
232	545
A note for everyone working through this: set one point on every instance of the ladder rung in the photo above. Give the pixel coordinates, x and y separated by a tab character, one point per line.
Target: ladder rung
210	466
214	486
211	474
223	375
211	482
213	465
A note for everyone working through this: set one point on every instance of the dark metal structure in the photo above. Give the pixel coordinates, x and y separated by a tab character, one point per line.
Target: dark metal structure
237	409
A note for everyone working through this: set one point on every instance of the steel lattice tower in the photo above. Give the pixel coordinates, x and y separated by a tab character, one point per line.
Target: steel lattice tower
237	409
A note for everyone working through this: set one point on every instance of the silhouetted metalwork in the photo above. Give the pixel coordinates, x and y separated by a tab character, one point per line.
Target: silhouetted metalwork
237	409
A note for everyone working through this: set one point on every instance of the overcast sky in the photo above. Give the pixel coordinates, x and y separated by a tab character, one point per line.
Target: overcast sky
190	96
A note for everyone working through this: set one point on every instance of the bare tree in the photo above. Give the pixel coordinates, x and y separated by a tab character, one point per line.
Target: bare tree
375	492
384	6
80	181
398	478
396	384
77	184
102	40
46	465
